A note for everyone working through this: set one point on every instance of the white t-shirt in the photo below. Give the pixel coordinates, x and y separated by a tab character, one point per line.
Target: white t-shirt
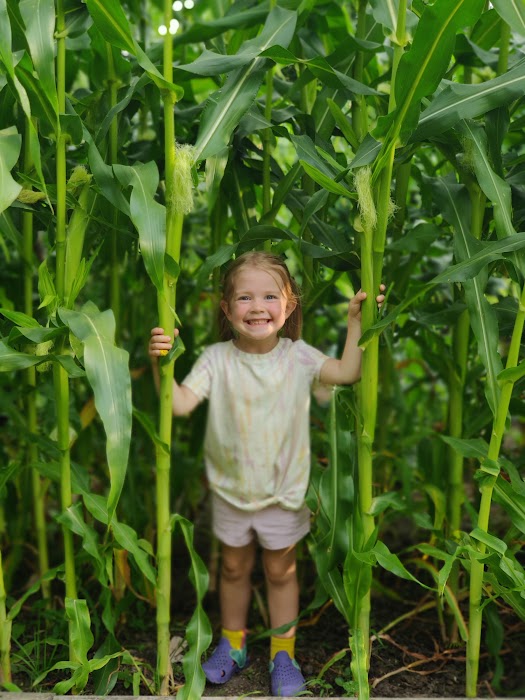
257	444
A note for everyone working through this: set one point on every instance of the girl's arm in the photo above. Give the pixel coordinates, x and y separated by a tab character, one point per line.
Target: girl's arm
347	370
184	400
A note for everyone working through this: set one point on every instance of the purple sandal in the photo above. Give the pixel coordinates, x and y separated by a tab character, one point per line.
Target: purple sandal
286	677
224	662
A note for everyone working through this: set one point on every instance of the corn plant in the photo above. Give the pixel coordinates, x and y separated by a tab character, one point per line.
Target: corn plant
367	142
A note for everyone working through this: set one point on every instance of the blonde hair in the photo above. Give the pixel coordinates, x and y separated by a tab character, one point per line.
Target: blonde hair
272	264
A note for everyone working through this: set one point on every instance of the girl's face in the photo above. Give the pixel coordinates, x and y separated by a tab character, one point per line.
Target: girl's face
257	310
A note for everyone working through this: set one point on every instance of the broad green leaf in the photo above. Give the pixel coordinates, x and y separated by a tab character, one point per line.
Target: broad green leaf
481	255
73	518
463	101
512	374
359	662
513	12
112	23
321	169
198	630
12	359
20	318
81	638
215	167
200	31
41	105
495	188
424	65
489	540
326	182
105	176
225	108
7	58
455	206
148	216
512	500
476	447
39	19
108	374
212	63
10	144
128	540
331	579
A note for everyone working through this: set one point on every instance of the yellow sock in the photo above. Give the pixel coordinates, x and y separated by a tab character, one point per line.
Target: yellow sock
282	644
235	637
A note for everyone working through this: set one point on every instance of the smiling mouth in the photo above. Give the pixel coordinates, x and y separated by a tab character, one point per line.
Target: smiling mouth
258	322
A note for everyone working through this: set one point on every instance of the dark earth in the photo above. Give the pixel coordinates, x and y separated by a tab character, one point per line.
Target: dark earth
410	657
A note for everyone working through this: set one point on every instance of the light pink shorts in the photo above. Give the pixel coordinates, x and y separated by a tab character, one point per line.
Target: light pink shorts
274	527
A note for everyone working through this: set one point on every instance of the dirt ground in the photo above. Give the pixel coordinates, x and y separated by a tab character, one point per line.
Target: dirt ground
409	660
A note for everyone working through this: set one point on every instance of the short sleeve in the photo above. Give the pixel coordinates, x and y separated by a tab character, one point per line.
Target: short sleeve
199	378
310	358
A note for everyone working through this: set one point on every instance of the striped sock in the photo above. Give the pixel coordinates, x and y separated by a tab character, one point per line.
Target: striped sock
237	638
282	644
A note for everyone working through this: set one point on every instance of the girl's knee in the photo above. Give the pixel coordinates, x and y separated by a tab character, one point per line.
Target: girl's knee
236	565
279	567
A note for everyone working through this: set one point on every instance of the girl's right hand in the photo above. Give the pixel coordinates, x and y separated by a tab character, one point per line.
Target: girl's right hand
160	344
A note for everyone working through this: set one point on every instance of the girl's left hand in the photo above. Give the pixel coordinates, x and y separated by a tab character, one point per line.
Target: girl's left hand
354	308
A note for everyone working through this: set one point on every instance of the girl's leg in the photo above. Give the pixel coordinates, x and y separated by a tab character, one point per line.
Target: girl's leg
283	602
235	585
229	655
280	569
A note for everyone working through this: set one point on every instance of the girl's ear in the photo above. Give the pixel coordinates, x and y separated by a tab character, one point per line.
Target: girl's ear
290	307
224	307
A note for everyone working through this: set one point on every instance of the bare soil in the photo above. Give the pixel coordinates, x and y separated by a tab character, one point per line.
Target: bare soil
410	659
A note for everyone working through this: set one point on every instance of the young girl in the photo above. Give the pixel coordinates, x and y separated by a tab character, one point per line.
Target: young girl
257	447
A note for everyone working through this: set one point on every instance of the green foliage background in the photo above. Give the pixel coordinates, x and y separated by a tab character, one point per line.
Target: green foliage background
365	141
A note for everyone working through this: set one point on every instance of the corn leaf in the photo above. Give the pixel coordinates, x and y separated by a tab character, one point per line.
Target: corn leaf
112	23
458	101
202	31
424	65
455	205
6	58
108	374
81	637
105	176
198	631
128	540
225	108
513	12
480	256
148	216
39	19
73	518
12	359
359	662
512	500
494	187
10	144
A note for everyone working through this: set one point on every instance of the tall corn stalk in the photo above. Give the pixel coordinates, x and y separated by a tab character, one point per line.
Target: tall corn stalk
487	488
38	486
375	211
166	305
5	632
61	381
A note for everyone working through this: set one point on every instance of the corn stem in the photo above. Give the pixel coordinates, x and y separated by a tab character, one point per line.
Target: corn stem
61	383
166	306
487	488
359	111
31	412
115	270
5	632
